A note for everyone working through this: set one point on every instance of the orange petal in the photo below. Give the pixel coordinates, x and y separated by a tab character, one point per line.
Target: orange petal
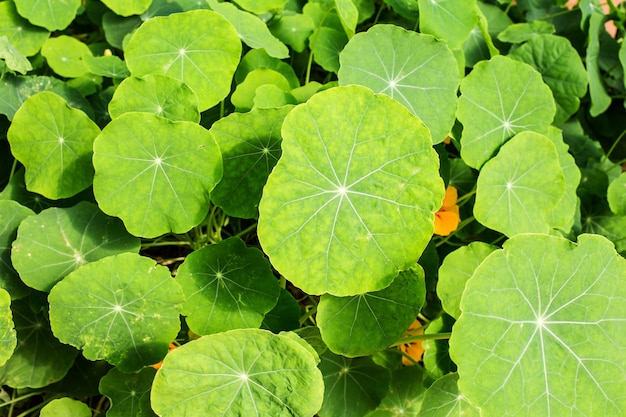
451	196
447	221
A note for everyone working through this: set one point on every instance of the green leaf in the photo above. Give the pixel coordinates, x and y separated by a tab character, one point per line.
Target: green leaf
51	15
600	99
312	335
252	30
457	267
353	386
326	44
156	94
12	57
348	14
284	316
561	68
250	147
39	358
443	399
261	6
270	96
155	184
239	373
405	394
54	143
450	20
522	32
415	69
205	58
227	286
544	338
106	66
65	407
66	56
500	98
408	9
351	201
475	47
259	59
8	338
244	94
123	308
436	356
129	394
293	29
518	188
58	241
616	195
127	7
26	38
11	215
364	324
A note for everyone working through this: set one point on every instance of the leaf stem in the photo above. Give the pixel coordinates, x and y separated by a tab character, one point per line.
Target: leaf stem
308	315
613	146
246	230
14	399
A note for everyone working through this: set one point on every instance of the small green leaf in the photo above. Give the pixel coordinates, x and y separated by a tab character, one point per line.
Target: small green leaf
409	9
405	395
252	30
293	29
259	59
51	15
243	97
326	44
123	308
457	267
54	142
155	184
8	338
65	407
284	316
436	356
58	241
600	99
127	7
129	394
353	386
26	38
518	188
475	47
521	32
500	98
270	96
348	14
205	58
66	56
106	66
351	201
156	94
616	195
261	6
11	215
443	399
450	20
250	146
13	59
239	373
415	69
364	324
540	329
227	286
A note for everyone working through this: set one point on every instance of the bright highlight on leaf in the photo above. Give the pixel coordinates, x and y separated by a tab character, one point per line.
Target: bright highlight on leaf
540	331
351	201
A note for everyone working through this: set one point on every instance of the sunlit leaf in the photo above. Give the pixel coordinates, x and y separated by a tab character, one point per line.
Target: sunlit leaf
449	20
616	195
25	37
443	399
261	6
65	407
66	55
107	66
53	16
244	94
127	7
13	59
8	339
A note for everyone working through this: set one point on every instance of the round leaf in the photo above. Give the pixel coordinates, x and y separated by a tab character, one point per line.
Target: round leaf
351	201
261	6
450	20
244	94
66	56
250	146
8	339
405	394
127	7
518	189
54	143
205	58
58	241
443	399
616	195
129	394
11	216
156	94
415	69
541	329
123	308
500	98
107	66
155	174
27	38
227	286
364	324
65	407
239	373
51	15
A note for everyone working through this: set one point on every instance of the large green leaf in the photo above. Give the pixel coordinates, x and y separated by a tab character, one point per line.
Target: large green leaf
24	36
123	308
66	56
239	373
518	189
227	286
351	201
250	147
561	68
11	215
540	331
449	20
415	69
204	55
53	16
364	324
443	399
127	7
500	98
8	338
54	142
58	241
129	393
155	174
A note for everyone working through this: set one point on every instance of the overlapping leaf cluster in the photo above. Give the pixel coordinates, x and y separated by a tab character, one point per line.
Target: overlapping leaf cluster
255	182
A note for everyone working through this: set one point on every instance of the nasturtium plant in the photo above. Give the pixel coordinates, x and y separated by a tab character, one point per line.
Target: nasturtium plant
127	7
65	407
66	56
122	308
25	37
51	15
54	142
450	20
405	394
11	216
13	59
239	372
350	175
129	393
57	241
8	338
443	399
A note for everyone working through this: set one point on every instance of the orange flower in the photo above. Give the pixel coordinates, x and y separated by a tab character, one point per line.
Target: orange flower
413	349
158	365
447	219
